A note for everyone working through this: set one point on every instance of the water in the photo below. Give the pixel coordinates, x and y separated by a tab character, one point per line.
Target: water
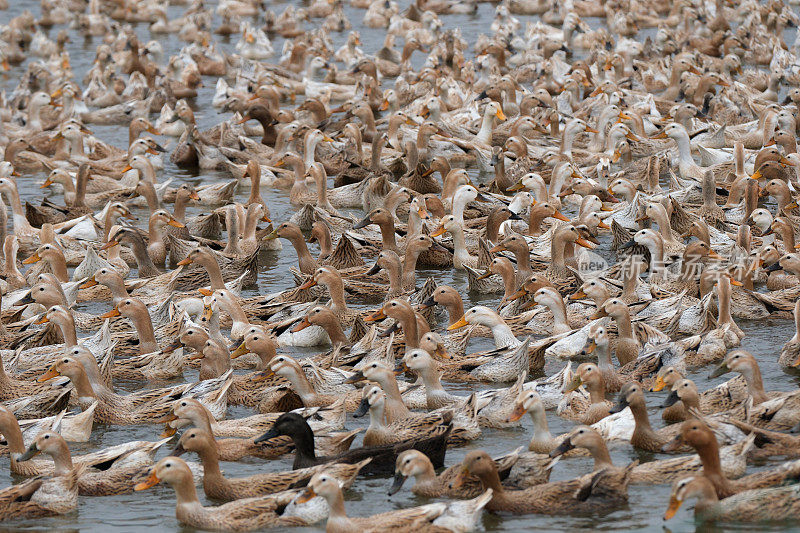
155	508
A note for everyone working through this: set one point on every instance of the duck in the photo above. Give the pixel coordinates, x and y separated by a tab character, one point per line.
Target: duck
588	375
553	498
418	426
697	434
454	516
383	457
774	504
216	486
242	515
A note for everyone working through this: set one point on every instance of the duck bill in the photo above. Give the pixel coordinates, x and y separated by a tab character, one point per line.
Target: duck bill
205	291
590	346
374	270
560	216
166	419
307	495
308	284
790	206
440	231
662	135
659	384
42	320
631	137
185	261
619	406
151	481
714	255
628	244
517	413
355	378
51	373
500	114
517	295
263	375
497	248
376	316
271	434
397	483
175	224
564	447
428	302
110	244
89	283
48	182
577	295
111	314
303	324
168	432
574	384
363	223
583	242
590	130
603	225
178	450
720	370
671	400
460	324
441	353
516	187
363	408
35	258
194	196
485	274
272	235
674	505
30	453
240	350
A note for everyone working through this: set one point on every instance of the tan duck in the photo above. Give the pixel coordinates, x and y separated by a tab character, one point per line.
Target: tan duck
411	427
44	497
459	515
643	437
597	407
554	498
292	233
697	434
240	515
218	487
627	346
776	504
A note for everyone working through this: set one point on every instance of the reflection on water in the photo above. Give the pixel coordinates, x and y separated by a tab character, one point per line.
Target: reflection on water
155	508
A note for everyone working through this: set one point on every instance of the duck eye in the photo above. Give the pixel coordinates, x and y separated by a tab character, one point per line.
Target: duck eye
47	437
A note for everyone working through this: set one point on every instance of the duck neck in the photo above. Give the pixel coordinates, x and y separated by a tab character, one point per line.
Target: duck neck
336	290
642	421
62	460
377	150
410	265
302	386
59	266
712	467
503	336
624	325
559	310
145	265
80	190
305	260
604	357
214	272
144	330
82	385
485	133
212	475
255	189
179	212
431	379
755	384
664	226
597	390
541	430
388	241
67	328
601	457
236	313
460	246
337	517
13	435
